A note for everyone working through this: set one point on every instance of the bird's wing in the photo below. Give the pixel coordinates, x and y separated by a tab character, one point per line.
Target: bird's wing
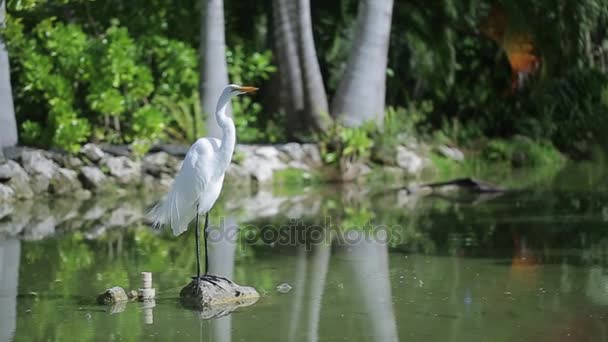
178	207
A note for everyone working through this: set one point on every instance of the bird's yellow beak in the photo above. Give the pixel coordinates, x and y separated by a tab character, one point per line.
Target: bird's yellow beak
248	89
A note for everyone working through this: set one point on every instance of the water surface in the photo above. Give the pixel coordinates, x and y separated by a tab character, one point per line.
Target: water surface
365	264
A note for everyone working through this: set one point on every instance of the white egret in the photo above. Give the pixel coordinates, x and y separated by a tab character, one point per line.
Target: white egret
199	182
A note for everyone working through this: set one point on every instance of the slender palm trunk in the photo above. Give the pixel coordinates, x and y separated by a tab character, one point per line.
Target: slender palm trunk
362	91
213	68
314	91
288	61
8	125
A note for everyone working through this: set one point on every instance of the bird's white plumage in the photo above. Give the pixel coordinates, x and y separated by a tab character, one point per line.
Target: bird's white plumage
201	177
194	184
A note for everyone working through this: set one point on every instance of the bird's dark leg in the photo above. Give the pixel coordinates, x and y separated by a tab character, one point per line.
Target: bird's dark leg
206	251
198	250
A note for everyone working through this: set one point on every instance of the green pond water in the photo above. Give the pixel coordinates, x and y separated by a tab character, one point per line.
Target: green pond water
364	264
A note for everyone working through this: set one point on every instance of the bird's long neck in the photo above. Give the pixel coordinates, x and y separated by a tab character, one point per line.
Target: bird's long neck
228	131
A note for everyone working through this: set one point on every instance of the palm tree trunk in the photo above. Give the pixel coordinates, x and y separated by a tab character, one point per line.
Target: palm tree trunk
288	63
8	125
213	69
361	93
314	91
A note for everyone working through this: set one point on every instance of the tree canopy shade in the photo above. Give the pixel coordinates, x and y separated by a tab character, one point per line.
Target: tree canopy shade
8	126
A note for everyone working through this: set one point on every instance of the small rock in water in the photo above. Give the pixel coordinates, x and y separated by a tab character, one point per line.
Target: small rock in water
216	296
112	295
284	288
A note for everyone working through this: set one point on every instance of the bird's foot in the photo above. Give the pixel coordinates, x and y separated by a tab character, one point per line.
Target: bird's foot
209	278
197	280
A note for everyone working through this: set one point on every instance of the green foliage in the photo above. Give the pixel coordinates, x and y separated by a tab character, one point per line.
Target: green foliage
174	64
186	123
293	177
466	74
521	151
148	125
400	126
341	144
584	123
70	131
95	70
82	86
252	68
31	132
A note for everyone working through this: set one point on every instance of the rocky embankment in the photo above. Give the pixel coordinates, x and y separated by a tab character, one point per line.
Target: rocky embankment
26	173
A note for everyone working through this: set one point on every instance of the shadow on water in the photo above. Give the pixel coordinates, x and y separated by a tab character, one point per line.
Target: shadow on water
531	265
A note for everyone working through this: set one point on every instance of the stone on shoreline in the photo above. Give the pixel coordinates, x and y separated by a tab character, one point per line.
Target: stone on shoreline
93	152
40	168
267	152
260	162
65	182
17	179
294	151
313	155
409	160
6	193
236	174
6	172
124	169
159	163
28	171
93	178
451	153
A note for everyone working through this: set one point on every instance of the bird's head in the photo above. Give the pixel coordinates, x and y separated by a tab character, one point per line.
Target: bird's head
235	89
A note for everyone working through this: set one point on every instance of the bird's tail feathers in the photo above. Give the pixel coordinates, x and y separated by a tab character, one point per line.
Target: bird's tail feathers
155	216
173	211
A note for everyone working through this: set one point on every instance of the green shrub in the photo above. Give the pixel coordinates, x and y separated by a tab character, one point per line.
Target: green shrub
31	133
520	151
74	86
341	144
186	122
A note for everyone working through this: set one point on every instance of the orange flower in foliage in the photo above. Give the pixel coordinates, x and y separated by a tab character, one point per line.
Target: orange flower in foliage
518	46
